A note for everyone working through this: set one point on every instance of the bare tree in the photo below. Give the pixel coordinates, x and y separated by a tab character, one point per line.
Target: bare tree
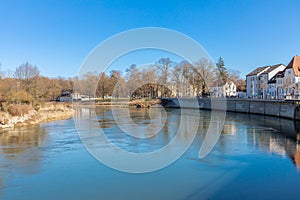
27	75
133	77
26	72
88	84
163	65
116	83
103	86
205	71
149	77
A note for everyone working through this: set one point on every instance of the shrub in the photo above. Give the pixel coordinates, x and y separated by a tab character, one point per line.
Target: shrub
37	107
18	109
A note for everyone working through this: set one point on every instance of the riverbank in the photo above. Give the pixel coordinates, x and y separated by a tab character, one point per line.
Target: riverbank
47	112
277	108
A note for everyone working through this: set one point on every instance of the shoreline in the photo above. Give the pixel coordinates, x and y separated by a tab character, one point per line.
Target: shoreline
48	112
55	111
138	103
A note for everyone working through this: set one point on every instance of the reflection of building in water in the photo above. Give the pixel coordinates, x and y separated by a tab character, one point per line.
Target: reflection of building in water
294	153
297	156
276	147
267	139
279	138
229	129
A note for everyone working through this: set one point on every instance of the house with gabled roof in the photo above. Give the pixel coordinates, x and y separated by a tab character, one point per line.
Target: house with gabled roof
291	80
276	90
219	89
252	81
257	80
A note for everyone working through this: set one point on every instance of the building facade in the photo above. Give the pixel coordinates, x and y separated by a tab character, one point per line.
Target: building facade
275	82
291	79
267	89
257	82
227	90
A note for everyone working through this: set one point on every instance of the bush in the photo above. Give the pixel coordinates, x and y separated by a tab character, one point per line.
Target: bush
18	109
37	107
4	106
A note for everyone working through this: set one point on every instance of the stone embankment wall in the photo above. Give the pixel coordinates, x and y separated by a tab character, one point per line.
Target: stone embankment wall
278	108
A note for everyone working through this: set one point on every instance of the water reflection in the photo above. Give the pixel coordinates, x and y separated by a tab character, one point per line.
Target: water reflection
273	135
18	153
18	140
140	116
270	134
26	152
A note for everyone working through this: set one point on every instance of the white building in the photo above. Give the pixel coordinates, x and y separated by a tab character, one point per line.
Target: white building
252	82
69	97
226	90
291	79
230	89
276	90
258	80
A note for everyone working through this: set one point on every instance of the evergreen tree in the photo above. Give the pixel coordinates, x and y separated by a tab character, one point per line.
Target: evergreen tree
222	70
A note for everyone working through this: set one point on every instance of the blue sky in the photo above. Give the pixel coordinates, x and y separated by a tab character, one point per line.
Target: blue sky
57	35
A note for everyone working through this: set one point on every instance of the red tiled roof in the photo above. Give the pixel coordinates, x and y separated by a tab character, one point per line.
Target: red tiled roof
295	64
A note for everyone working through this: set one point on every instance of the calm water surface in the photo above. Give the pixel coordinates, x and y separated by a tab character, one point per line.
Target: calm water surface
256	157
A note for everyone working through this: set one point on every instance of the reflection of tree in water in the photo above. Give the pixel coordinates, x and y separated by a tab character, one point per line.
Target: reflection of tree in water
103	114
18	152
19	140
102	110
140	116
104	117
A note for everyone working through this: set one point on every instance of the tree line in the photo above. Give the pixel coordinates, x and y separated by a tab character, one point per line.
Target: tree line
165	78
26	85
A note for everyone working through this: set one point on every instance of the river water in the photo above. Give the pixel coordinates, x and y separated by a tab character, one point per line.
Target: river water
256	157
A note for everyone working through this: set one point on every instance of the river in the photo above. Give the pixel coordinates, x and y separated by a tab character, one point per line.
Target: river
256	157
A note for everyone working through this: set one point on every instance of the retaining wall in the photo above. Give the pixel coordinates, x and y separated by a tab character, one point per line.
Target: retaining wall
278	108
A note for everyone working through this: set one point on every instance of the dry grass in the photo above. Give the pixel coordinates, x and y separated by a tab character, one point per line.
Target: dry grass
18	109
